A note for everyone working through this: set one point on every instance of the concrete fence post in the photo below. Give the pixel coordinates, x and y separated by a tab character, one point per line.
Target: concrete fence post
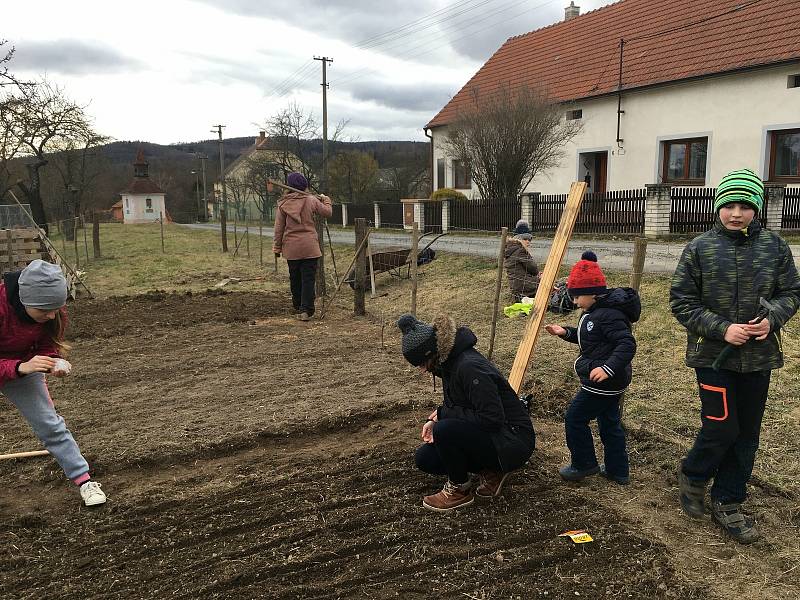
527	207
419	215
445	215
377	208
344	215
657	208
776	193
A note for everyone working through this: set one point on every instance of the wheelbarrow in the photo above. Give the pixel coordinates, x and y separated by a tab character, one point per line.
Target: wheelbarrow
395	260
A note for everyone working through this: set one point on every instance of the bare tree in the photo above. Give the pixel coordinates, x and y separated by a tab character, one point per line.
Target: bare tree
292	133
507	137
44	120
352	174
12	97
258	168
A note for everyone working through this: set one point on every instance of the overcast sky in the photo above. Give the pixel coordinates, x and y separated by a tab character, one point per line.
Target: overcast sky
166	71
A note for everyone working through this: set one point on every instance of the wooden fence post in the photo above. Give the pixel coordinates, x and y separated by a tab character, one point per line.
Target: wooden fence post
85	238
413	258
161	220
639	254
95	234
260	238
75	242
361	267
498	287
247	231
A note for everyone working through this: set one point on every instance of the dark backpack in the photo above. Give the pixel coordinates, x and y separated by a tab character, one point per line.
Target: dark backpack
560	302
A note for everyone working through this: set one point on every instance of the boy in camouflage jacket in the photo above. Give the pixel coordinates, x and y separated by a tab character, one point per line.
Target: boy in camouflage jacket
715	294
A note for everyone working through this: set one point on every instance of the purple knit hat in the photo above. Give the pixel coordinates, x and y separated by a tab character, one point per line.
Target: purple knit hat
297	181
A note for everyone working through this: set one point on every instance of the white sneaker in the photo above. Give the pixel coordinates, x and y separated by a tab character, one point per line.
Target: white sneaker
92	494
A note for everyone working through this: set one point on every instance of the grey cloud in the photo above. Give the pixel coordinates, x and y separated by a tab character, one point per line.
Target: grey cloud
348	20
71	57
420	97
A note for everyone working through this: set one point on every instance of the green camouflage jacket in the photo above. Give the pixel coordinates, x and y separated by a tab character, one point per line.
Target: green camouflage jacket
719	280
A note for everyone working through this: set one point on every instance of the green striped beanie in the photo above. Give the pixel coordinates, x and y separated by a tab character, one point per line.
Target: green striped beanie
740	186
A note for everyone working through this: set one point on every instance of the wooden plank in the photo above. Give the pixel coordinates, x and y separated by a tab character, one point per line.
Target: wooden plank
548	278
26	245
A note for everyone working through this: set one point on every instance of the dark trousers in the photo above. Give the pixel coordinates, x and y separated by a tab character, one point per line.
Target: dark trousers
585	407
731	408
302	278
459	447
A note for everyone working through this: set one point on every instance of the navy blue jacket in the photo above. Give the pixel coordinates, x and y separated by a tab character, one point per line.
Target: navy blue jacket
605	340
474	390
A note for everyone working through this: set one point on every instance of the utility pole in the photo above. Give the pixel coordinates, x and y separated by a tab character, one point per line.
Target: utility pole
223	219
203	158
196	174
324	183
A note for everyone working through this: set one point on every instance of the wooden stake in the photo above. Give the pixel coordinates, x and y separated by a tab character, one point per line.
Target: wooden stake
413	256
24	454
559	247
639	255
95	234
333	256
350	266
498	286
261	238
75	242
371	268
362	240
161	220
85	238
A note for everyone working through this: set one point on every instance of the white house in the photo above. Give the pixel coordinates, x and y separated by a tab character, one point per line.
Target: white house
142	200
668	92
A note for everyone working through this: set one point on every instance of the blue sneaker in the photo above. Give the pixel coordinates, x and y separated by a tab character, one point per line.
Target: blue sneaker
620	479
570	473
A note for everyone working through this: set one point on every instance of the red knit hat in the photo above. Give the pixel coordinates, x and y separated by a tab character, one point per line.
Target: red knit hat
586	278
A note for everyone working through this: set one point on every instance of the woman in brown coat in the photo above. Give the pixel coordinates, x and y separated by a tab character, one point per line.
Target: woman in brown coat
523	274
296	238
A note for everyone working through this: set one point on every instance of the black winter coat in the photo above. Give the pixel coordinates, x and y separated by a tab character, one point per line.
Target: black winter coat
474	390
605	340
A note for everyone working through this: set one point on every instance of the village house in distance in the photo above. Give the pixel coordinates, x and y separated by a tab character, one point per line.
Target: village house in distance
678	93
142	200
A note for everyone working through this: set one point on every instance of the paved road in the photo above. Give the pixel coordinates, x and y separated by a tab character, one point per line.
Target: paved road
662	257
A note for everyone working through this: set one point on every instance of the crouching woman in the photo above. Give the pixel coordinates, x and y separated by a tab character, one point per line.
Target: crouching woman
481	426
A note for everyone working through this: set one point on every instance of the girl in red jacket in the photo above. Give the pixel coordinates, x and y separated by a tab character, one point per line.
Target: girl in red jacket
32	323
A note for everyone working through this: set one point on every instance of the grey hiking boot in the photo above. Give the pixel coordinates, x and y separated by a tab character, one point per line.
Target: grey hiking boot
693	494
570	473
735	523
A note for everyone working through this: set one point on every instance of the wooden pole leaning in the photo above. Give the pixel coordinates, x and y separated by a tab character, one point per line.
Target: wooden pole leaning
371	268
498	287
341	281
557	251
14	455
414	272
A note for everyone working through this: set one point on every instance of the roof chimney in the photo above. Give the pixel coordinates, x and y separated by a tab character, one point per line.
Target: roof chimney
572	11
260	138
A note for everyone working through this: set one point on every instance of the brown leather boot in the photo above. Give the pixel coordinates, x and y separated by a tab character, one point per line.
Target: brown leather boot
452	496
491	484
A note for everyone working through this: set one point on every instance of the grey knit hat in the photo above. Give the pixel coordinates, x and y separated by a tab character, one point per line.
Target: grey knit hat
42	285
419	339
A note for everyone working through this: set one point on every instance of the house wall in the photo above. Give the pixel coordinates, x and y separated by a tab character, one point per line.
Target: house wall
134	207
736	113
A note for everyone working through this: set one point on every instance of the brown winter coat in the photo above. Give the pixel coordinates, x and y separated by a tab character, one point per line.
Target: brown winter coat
295	231
523	274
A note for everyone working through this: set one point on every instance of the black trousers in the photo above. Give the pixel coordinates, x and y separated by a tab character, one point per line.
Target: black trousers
459	447
732	406
585	407
302	280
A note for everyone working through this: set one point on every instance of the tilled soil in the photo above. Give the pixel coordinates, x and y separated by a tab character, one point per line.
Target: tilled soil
247	455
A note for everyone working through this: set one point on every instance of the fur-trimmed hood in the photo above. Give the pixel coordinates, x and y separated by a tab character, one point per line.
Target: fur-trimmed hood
451	340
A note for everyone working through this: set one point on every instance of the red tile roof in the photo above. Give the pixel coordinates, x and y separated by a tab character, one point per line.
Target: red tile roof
142	185
665	41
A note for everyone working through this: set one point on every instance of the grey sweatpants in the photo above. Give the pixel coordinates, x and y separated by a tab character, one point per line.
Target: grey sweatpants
31	396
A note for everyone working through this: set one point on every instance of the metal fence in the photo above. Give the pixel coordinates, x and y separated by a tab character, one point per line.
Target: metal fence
612	212
691	210
791	209
433	216
484	214
391	214
360	211
14	215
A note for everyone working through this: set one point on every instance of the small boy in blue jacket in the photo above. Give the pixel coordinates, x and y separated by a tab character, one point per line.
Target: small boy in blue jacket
603	366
